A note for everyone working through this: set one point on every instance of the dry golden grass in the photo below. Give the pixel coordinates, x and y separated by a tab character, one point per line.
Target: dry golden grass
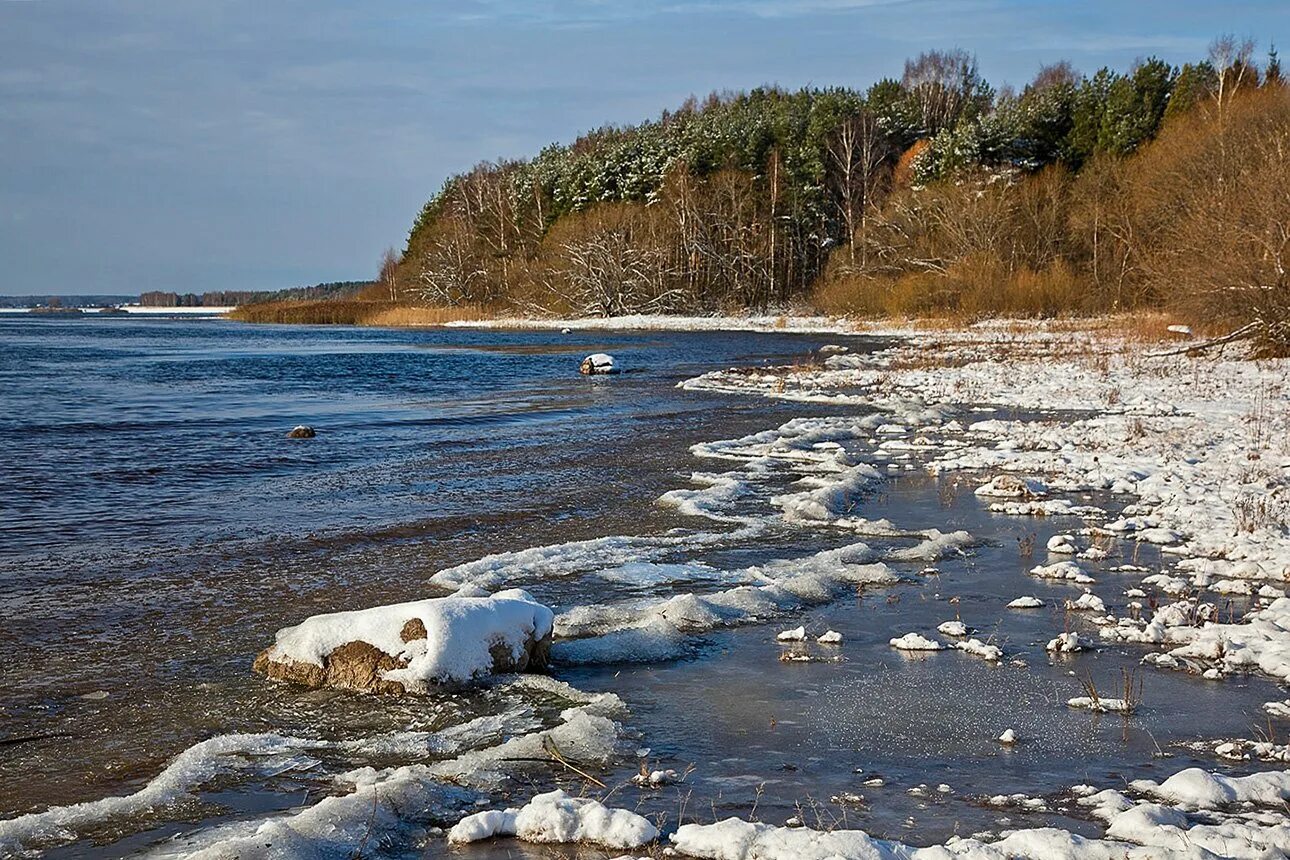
976	287
355	312
411	315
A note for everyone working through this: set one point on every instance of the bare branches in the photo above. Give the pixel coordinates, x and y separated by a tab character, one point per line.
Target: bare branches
387	275
943	86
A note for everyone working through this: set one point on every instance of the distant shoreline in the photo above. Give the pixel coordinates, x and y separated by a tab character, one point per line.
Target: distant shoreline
134	310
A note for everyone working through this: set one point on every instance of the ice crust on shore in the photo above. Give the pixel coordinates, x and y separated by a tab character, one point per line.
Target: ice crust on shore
1187	817
661	628
560	560
186	772
392	806
483	747
1152	428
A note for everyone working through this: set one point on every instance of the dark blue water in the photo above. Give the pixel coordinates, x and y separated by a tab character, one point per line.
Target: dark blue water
133	433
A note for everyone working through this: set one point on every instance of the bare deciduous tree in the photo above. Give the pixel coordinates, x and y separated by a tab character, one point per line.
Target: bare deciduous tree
387	277
858	150
1232	60
451	272
942	85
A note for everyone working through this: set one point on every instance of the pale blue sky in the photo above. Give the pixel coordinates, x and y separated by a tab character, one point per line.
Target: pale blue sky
166	144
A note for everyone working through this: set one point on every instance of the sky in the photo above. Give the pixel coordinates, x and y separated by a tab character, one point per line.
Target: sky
263	144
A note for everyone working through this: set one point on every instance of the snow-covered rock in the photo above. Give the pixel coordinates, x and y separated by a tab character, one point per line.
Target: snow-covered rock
953	628
977	648
410	647
1013	487
915	642
1026	602
1067	570
1062	545
1087	602
1100	704
598	363
656	778
1066	643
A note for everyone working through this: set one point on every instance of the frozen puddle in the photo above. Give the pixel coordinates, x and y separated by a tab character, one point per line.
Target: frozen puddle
774	656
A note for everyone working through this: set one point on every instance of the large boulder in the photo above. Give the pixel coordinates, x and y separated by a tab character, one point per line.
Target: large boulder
414	647
301	431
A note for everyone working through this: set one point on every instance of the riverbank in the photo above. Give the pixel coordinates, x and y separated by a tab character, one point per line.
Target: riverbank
927	481
1146	326
353	312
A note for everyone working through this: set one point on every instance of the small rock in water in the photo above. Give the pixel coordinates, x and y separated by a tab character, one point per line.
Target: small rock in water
847	797
566	330
833	637
1008	737
97	695
656	778
797	634
596	364
301	431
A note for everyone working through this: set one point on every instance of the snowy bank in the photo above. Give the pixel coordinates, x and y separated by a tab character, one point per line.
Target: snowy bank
1187	817
664	322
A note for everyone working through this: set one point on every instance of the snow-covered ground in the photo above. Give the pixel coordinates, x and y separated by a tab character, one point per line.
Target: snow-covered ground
1200	447
1202	444
145	311
660	322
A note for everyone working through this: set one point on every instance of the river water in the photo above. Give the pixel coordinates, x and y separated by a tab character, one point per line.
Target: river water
156	528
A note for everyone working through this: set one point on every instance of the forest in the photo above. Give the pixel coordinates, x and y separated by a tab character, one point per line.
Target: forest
929	194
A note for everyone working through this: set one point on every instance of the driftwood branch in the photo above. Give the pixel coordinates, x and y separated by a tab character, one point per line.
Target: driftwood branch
556	758
1241	333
